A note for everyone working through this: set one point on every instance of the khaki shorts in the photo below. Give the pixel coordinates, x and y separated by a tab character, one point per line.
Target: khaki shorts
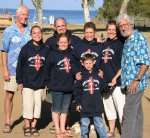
32	100
11	85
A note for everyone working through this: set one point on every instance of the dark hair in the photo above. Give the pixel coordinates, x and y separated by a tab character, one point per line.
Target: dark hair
90	25
63	35
36	26
113	22
88	56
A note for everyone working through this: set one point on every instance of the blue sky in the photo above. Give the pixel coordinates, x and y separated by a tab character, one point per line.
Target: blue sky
49	4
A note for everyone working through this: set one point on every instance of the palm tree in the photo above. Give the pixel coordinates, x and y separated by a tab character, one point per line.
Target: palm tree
39	12
124	6
86	5
21	2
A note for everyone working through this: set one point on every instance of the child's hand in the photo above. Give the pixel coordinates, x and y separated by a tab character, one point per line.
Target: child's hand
78	76
78	108
100	73
6	75
113	82
20	88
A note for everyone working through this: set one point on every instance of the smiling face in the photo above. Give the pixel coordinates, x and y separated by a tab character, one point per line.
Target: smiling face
60	26
89	34
125	28
36	34
63	43
88	64
111	31
22	15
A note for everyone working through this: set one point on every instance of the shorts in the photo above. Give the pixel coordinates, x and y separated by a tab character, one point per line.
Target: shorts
32	100
61	101
11	85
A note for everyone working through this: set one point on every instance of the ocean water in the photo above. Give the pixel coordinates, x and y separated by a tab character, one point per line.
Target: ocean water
71	16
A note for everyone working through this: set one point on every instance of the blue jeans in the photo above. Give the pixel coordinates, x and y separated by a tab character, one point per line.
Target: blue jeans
99	126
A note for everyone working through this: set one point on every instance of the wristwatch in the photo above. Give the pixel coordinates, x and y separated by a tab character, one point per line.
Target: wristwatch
137	79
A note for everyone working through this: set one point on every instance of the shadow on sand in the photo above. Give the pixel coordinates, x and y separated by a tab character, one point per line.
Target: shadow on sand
147	98
46	117
17	121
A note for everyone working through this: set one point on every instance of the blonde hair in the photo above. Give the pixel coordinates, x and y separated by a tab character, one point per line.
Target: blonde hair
19	9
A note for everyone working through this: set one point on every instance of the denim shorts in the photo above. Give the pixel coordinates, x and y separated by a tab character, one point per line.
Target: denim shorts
61	101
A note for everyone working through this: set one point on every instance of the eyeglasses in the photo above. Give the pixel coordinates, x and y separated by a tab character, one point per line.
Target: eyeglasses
60	26
124	25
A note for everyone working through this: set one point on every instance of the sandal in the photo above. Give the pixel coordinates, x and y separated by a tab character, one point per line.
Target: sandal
111	135
52	129
35	132
67	133
7	128
27	132
58	135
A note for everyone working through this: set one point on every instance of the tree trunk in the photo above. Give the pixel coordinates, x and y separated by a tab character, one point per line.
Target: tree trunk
86	11
21	2
39	15
39	12
124	6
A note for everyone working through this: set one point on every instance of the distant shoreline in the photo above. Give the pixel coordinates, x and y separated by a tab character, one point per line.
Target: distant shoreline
72	16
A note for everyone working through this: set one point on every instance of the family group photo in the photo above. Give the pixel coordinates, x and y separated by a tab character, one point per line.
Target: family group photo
75	68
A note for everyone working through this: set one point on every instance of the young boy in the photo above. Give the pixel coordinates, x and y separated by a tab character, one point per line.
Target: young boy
88	97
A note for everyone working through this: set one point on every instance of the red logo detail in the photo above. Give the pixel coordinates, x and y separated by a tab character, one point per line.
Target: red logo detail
67	65
106	56
89	51
91	85
37	62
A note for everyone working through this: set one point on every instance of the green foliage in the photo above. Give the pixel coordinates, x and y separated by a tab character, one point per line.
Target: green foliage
111	8
37	3
91	3
139	8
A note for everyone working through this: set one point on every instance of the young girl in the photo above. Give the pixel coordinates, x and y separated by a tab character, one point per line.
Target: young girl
31	79
60	67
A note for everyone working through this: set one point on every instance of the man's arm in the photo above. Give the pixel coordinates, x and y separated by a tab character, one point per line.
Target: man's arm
6	74
134	84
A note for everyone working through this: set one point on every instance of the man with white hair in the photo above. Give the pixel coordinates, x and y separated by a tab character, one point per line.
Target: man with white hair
134	66
14	38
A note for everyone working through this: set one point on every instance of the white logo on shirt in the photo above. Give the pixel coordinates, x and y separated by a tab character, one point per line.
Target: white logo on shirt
16	39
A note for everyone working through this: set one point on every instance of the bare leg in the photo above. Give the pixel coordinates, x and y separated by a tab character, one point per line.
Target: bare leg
27	123
34	130
8	106
56	120
27	130
111	127
33	123
63	118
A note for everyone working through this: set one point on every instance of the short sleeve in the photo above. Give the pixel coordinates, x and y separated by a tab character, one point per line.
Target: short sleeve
142	53
5	42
